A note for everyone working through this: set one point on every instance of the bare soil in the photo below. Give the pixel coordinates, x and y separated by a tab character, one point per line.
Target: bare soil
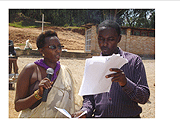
71	39
77	68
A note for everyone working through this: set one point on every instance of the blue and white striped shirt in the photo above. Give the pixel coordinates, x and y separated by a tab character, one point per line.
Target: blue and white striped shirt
121	101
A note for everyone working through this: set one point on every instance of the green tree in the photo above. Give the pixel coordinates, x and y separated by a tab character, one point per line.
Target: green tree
77	17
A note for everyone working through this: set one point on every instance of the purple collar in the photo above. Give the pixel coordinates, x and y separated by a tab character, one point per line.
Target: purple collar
42	64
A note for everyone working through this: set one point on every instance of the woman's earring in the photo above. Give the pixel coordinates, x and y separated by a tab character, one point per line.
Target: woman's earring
43	55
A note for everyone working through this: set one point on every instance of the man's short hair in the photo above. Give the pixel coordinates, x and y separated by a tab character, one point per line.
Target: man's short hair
112	24
40	42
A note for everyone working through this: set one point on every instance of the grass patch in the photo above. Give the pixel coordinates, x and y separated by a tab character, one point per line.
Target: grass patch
22	25
75	27
21	44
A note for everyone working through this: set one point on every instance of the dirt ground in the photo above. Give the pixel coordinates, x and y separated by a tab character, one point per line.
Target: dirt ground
77	68
71	39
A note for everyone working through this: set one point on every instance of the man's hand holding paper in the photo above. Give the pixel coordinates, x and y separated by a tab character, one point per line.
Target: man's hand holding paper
119	76
96	68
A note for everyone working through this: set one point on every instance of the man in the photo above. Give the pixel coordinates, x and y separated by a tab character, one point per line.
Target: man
12	61
129	85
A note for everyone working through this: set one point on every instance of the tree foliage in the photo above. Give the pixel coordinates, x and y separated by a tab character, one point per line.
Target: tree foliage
76	17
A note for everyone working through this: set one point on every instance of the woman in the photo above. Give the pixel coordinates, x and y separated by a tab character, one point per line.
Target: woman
32	81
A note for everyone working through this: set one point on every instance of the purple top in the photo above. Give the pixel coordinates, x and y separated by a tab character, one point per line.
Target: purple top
121	101
42	64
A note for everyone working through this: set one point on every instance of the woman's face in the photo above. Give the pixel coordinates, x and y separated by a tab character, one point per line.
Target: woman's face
52	49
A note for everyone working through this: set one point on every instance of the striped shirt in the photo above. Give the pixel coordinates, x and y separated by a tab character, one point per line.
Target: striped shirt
121	101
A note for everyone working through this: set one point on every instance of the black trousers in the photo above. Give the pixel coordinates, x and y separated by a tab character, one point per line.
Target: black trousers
138	116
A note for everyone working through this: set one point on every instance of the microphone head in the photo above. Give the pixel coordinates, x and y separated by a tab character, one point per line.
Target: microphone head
50	71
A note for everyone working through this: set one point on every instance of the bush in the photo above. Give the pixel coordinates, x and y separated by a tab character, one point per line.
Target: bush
66	25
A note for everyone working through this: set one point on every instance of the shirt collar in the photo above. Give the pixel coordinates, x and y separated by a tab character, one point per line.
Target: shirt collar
120	51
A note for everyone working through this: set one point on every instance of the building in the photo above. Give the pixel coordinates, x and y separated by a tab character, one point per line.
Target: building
139	41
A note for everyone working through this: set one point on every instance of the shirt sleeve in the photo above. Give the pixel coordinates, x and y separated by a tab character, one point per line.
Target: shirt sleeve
138	89
88	105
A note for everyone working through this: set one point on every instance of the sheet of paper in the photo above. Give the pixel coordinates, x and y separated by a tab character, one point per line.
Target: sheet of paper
96	68
63	111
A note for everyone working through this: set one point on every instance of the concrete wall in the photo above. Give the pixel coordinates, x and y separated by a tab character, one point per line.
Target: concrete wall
63	54
94	40
141	45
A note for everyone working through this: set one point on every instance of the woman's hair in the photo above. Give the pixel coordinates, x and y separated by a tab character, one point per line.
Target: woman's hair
112	24
40	42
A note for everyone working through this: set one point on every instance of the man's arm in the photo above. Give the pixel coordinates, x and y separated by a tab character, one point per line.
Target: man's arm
88	105
137	89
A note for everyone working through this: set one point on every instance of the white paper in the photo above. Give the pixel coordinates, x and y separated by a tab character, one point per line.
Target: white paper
63	111
96	68
82	114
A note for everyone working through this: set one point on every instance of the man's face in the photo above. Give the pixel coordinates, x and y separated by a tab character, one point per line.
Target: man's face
108	40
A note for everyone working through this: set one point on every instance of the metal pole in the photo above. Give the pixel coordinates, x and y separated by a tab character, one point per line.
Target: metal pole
42	21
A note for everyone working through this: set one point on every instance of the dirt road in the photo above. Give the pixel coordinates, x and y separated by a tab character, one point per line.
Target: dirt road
77	68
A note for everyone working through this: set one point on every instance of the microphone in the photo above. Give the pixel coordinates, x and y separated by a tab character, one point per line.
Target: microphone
49	72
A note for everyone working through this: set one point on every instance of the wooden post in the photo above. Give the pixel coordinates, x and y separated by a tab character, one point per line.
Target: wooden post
42	22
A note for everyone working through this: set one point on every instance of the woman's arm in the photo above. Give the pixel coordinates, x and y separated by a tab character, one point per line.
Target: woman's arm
22	100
